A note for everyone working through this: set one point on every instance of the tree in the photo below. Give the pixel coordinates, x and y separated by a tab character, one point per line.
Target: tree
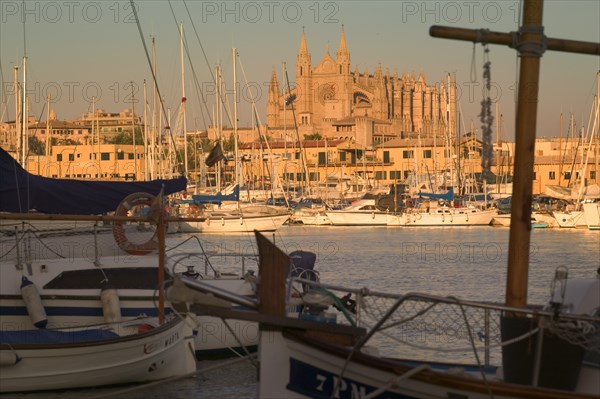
36	147
126	137
314	136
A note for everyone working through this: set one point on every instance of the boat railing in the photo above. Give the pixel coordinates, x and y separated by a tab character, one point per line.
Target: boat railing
191	258
417	325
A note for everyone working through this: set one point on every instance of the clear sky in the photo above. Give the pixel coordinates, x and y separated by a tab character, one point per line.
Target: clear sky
80	49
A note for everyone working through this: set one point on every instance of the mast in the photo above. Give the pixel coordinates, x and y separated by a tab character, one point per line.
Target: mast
146	158
133	133
530	42
17	123
48	136
24	113
154	135
183	103
235	118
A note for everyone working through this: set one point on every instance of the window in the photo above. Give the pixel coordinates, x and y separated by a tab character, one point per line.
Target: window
71	157
408	154
130	155
342	155
552	175
314	176
380	175
395	174
300	177
534	176
386	157
406	174
58	157
592	175
567	175
120	155
322	158
426	153
105	156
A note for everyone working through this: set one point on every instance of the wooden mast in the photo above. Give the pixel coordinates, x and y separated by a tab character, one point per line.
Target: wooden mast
530	42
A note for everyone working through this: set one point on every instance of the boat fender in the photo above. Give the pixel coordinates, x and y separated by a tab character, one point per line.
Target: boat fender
111	307
241	221
124	208
418	216
33	303
222	221
9	358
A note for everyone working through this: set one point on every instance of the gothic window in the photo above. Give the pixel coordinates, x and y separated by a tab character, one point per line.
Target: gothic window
327	93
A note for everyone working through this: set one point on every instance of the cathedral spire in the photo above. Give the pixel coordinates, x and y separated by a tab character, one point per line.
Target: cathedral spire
343	55
303	46
303	64
342	48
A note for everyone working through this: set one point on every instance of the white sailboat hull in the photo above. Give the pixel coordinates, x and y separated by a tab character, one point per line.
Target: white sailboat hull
234	224
357	218
444	217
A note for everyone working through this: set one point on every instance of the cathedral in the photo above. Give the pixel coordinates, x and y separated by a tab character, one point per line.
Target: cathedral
333	101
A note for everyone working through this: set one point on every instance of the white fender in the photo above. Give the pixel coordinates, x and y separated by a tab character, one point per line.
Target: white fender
8	358
34	304
111	307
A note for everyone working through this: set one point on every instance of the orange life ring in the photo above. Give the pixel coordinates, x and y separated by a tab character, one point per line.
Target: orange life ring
128	204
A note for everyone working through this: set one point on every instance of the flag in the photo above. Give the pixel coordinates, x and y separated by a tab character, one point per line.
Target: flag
215	155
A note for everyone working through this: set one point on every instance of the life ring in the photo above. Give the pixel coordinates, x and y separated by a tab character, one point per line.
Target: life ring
128	204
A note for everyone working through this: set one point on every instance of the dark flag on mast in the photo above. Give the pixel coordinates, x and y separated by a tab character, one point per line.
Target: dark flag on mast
215	155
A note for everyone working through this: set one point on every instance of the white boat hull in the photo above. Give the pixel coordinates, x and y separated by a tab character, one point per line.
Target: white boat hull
76	306
357	218
164	352
240	224
444	217
573	219
592	215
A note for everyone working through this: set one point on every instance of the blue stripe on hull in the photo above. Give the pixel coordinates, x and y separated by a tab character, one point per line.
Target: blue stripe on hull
73	311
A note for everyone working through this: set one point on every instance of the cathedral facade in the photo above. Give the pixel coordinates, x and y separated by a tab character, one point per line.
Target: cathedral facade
332	100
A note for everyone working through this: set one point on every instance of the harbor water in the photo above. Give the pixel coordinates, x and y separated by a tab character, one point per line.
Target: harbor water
467	262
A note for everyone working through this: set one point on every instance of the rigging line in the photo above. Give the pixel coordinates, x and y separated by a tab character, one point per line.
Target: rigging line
205	58
160	98
197	85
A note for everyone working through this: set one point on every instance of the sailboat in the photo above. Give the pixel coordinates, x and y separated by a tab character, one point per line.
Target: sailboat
240	219
548	351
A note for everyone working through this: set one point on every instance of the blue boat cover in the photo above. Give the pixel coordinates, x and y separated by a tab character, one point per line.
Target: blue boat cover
449	196
21	191
216	199
46	337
